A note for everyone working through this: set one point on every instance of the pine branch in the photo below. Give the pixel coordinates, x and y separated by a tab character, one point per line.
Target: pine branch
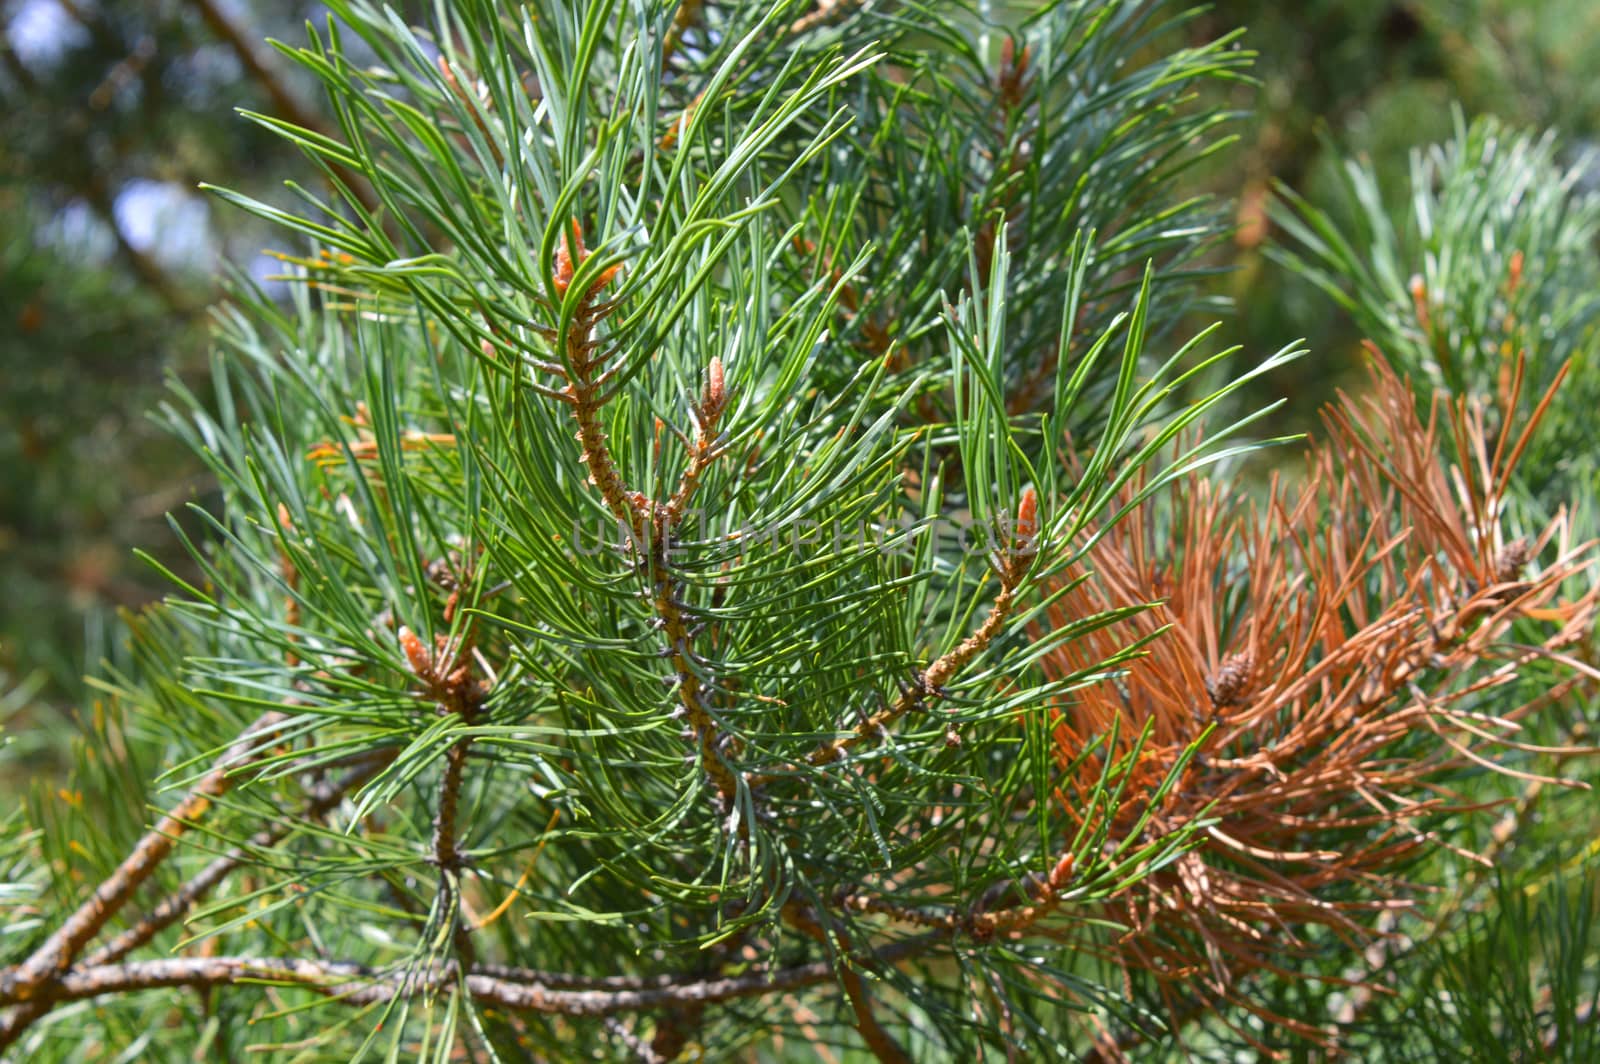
514	989
324	800
651	524
1368	594
1248	771
446	676
929	684
977	921
176	905
61	948
878	1041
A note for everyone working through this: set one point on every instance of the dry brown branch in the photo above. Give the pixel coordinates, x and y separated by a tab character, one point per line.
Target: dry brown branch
1386	568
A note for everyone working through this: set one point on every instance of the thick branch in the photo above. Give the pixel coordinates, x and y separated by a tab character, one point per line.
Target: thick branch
59	950
354	984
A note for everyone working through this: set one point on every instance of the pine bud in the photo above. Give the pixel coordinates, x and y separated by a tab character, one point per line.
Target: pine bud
417	655
1061	872
568	256
1419	301
716	394
449	75
1028	515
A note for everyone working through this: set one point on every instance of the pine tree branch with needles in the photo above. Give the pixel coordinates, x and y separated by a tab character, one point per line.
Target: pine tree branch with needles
730	546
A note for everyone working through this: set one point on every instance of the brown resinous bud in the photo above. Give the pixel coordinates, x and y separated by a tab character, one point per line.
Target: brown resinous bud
569	256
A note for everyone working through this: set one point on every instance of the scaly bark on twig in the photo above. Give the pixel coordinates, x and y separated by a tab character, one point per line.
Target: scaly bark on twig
516	989
650	524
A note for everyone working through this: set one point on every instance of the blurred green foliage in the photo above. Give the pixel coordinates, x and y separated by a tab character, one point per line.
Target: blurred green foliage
110	116
1376	79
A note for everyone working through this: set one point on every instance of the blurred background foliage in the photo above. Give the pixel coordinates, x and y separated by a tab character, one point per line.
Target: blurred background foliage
1376	80
114	110
111	113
